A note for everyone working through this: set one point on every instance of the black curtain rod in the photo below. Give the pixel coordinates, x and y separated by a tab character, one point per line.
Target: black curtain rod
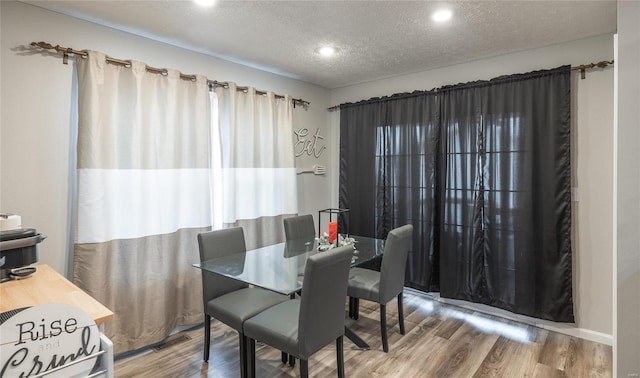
582	68
66	51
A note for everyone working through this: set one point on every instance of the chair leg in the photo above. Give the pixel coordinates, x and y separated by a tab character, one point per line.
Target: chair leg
243	354
350	307
340	356
207	336
288	358
354	304
251	357
304	368
383	327
400	314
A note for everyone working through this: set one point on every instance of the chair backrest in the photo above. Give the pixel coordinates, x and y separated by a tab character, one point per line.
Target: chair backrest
299	227
214	244
394	262
300	235
324	289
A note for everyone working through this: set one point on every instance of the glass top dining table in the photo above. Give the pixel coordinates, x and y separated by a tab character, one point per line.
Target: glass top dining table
280	267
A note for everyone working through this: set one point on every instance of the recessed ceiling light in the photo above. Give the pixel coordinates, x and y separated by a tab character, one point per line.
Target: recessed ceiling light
205	3
442	15
326	50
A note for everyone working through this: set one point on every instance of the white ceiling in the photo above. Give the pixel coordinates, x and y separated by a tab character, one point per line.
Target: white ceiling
377	39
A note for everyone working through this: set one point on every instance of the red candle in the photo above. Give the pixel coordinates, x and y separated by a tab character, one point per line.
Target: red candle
333	231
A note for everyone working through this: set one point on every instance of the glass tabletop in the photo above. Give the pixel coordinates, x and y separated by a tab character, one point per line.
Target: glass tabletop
280	267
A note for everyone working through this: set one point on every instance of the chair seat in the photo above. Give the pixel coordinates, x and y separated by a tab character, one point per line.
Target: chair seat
277	326
364	284
234	308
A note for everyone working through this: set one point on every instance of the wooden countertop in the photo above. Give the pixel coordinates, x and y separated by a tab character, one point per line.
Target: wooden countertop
48	286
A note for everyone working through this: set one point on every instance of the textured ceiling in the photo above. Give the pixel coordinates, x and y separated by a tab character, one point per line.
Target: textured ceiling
377	39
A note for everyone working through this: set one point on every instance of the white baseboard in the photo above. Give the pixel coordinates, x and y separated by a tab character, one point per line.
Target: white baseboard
564	328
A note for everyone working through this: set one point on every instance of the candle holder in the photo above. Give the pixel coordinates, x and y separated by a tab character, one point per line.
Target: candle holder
340	217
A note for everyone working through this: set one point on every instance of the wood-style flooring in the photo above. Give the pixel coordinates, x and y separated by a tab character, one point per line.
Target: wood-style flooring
440	341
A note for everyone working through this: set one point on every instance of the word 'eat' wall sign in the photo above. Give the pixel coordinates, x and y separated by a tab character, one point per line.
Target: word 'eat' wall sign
312	145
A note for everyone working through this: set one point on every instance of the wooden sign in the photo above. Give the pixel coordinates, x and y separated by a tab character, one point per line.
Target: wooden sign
57	338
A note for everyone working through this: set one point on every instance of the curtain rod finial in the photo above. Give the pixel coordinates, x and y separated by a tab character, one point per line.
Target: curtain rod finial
43	45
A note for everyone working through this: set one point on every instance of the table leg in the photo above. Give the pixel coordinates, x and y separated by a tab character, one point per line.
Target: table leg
355	339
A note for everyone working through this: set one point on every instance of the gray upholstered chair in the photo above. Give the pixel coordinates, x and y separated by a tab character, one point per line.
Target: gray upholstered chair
299	227
231	302
381	287
302	327
298	230
300	234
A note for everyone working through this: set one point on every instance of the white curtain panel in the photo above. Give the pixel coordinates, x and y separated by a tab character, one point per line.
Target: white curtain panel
259	187
143	194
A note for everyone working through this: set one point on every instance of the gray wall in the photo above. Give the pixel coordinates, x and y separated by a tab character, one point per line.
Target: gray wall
627	328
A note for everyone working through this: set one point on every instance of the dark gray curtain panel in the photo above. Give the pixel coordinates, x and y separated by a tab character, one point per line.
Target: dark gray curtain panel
506	218
483	169
388	160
